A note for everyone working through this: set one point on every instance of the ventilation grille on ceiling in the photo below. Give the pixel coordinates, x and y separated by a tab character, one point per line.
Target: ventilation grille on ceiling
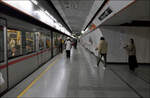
71	4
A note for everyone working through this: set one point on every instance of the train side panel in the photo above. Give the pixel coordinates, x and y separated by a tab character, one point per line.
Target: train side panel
21	68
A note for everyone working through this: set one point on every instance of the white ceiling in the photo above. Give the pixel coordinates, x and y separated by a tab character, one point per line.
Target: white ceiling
140	10
74	12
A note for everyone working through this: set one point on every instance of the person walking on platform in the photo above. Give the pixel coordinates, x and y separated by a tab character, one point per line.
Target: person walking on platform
131	50
102	51
68	47
75	43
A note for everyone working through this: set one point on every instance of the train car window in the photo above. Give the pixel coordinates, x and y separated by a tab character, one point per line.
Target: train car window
55	41
44	40
30	42
14	43
48	42
63	41
41	41
1	44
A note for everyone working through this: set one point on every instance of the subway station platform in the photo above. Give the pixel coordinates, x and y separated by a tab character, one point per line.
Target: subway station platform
80	77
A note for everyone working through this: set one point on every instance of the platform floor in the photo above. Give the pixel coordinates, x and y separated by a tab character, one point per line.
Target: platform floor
79	77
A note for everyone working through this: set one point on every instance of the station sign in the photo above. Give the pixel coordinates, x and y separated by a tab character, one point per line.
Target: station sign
107	12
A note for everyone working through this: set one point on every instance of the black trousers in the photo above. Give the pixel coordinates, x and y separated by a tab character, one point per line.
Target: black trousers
60	48
75	45
100	59
68	53
132	62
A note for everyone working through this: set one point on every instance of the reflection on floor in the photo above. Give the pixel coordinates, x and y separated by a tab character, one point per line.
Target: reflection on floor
80	77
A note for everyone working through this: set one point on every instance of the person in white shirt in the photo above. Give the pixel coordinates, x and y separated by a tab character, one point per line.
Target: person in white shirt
68	47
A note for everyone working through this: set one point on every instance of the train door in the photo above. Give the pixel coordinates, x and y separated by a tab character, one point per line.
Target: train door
41	47
52	55
3	56
37	47
48	46
44	48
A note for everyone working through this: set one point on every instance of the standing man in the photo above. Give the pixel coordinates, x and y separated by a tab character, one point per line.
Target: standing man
102	51
75	43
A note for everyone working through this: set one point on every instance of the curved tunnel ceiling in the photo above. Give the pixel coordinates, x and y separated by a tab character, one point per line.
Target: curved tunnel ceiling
74	12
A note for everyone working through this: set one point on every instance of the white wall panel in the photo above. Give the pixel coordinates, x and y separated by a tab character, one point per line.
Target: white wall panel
95	36
118	37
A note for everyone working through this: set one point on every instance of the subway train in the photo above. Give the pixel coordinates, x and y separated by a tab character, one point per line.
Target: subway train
24	47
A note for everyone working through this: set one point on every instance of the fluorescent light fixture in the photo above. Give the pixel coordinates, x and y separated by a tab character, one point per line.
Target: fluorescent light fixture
82	31
40	13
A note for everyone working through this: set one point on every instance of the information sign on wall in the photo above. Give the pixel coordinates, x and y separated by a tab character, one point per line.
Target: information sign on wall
107	12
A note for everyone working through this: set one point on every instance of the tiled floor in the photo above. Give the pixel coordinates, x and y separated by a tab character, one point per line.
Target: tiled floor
79	77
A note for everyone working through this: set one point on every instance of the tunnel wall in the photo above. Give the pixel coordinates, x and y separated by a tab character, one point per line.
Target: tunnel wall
117	37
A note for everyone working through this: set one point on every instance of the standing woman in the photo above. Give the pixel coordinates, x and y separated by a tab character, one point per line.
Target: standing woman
131	50
68	47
